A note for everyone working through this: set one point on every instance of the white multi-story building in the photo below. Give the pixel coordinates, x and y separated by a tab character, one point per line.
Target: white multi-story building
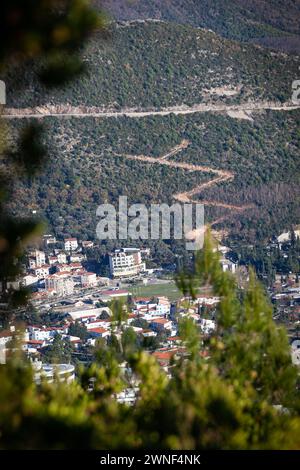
6	336
52	260
228	265
31	263
42	271
40	334
29	279
62	257
88	279
49	239
63	268
36	259
62	283
126	262
77	258
71	244
40	258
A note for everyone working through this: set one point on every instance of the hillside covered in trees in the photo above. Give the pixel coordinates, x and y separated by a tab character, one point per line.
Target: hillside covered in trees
151	65
272	22
92	168
154	65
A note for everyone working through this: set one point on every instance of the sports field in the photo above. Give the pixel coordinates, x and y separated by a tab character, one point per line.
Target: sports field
168	289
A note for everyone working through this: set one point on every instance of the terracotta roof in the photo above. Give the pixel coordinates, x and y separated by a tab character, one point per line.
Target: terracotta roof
6	334
98	330
164	355
161	321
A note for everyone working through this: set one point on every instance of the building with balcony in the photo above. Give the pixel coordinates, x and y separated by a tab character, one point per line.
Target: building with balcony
61	283
71	244
126	262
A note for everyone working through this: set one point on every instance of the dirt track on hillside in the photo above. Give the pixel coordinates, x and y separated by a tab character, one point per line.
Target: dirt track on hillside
65	110
187	197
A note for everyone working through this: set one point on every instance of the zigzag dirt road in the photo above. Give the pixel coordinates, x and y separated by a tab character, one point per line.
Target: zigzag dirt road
187	197
238	111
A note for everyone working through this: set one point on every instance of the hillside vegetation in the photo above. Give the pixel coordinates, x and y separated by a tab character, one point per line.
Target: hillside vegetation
162	64
92	168
151	65
273	21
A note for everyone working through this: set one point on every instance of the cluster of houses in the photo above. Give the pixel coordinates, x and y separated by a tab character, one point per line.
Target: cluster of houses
57	271
148	317
285	295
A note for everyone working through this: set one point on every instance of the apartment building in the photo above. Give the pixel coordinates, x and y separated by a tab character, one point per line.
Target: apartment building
126	262
71	244
61	282
88	279
41	272
36	259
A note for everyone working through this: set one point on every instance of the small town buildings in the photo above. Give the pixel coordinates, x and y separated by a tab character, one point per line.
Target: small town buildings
88	279
228	266
61	282
99	332
207	326
61	257
108	295
29	280
63	268
77	257
126	262
161	324
53	259
36	259
84	312
87	244
49	240
71	244
40	258
41	272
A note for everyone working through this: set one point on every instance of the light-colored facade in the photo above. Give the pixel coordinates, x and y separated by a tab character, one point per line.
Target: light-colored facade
40	258
87	244
62	283
88	279
29	280
52	260
36	259
42	271
49	239
228	265
77	258
71	244
126	262
51	372
61	257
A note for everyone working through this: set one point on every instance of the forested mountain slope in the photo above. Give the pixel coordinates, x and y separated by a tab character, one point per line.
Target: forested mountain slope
162	64
273	22
150	65
89	166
